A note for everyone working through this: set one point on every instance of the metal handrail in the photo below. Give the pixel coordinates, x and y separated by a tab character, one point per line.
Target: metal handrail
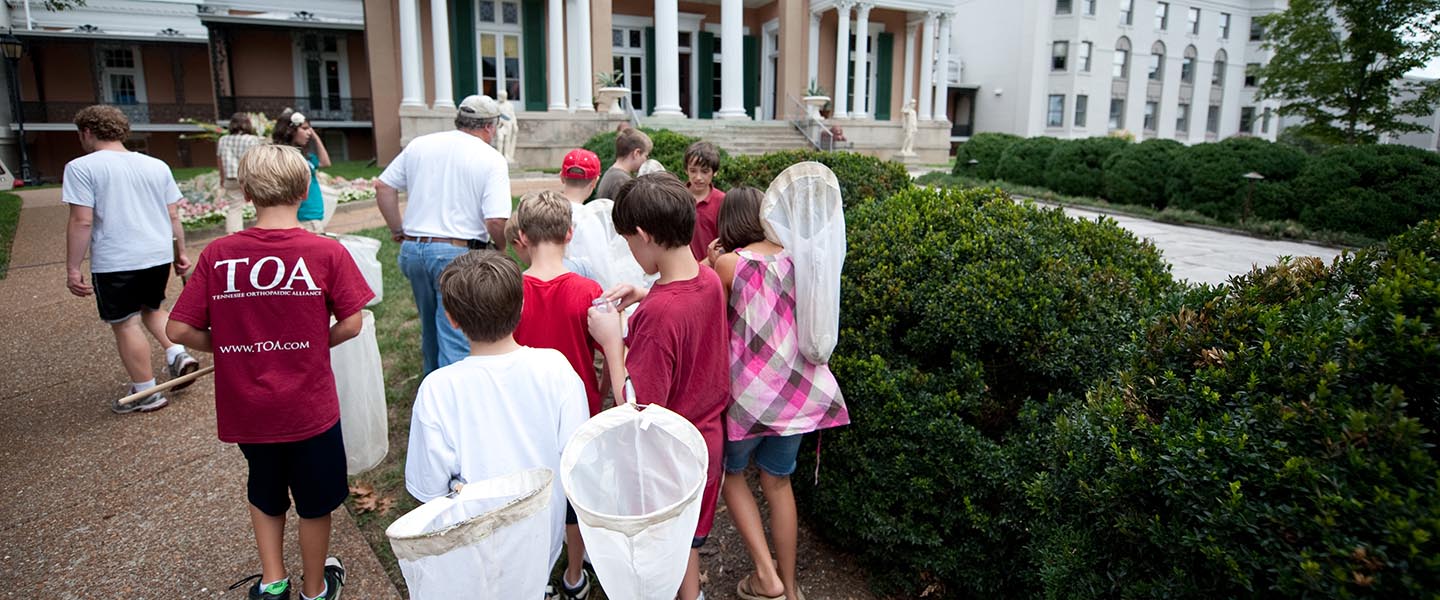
812	127
630	109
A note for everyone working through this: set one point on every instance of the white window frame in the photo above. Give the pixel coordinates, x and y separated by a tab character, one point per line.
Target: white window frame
769	45
1150	123
1224	26
137	71
1082	111
298	43
1193	16
1087	50
1127	13
1060	50
499	29
1162	16
630	23
1051	110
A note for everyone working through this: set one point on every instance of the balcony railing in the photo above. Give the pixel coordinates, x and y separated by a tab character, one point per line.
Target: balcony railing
315	108
141	113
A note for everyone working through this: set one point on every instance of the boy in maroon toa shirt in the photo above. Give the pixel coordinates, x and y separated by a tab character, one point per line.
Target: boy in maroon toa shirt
678	352
261	300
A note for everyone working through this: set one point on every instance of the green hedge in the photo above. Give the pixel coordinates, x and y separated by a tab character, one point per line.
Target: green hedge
985	149
961	311
1137	174
1270	439
1075	166
861	177
1024	161
1209	179
668	148
1374	190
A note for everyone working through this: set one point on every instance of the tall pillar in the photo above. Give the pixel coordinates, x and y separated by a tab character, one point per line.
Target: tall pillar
909	94
942	69
842	57
732	61
927	66
812	65
585	93
667	59
440	42
412	77
555	53
861	110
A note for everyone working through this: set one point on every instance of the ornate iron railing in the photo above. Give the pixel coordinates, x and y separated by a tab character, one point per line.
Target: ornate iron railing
140	113
315	108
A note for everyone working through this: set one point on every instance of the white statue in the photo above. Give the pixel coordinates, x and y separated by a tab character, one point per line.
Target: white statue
911	125
507	129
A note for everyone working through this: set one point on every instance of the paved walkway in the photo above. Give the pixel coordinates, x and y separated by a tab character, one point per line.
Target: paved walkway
98	505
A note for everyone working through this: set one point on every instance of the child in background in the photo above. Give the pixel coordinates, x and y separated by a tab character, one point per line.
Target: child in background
702	160
677	352
292	129
776	395
505	408
269	326
632	148
579	173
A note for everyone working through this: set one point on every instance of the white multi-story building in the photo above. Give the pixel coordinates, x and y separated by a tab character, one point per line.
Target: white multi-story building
1177	69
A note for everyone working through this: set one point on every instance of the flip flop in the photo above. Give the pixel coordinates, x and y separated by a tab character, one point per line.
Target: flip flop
747	592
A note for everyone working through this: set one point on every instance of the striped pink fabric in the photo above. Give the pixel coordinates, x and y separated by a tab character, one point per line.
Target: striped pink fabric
774	390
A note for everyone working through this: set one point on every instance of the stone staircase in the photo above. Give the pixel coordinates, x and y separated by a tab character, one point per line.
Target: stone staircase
737	136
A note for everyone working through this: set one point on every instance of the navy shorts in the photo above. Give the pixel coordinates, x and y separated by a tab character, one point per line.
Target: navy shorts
123	294
774	455
311	470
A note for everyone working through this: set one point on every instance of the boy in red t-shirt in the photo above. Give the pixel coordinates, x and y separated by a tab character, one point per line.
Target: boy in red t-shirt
678	353
261	301
702	161
554	316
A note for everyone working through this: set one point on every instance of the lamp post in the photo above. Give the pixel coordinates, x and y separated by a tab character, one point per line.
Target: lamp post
1251	177
13	48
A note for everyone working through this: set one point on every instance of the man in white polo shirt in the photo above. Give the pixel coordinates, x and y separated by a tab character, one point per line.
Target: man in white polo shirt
458	198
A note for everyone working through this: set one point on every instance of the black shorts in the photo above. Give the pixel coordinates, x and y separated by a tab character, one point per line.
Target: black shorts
312	470
123	294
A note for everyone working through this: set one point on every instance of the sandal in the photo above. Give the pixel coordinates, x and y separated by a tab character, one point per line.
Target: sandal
746	591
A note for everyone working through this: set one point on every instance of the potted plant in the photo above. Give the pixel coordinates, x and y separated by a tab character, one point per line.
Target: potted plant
814	99
612	89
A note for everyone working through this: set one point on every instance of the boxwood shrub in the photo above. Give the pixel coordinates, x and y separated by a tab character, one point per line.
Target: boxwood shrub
1024	161
961	312
1209	179
985	149
1274	438
1373	190
861	177
1074	167
1137	174
668	148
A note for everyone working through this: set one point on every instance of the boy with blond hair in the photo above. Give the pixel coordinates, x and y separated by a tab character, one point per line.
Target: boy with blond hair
505	408
678	353
261	300
632	149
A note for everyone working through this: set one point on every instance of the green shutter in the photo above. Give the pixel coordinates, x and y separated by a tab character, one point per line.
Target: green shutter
884	55
650	69
707	75
463	69
532	24
752	76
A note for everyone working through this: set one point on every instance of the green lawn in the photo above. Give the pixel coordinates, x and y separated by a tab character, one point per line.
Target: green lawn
352	169
9	219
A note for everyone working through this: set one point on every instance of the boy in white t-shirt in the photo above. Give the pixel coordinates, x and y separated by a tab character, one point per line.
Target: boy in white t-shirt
503	409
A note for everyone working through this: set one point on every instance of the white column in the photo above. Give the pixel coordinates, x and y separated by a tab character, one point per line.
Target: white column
927	66
861	110
440	41
667	59
942	69
909	94
575	68
812	66
585	93
732	72
555	53
842	58
412	77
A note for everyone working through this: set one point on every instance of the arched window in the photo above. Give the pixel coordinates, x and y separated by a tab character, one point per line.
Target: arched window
1187	66
1121	67
1217	76
1156	71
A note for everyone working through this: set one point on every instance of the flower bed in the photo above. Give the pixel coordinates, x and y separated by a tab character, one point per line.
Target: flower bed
203	200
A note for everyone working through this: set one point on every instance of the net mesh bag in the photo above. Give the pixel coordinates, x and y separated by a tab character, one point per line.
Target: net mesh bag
360	385
803	212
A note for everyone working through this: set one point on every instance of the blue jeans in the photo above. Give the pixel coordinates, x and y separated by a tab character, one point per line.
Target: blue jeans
774	455
422	264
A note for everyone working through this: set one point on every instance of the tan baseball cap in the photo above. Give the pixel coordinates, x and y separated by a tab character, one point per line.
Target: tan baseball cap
483	107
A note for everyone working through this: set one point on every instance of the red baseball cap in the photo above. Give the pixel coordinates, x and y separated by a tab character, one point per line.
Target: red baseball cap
587	163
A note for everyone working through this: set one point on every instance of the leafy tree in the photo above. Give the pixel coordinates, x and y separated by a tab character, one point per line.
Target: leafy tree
1339	65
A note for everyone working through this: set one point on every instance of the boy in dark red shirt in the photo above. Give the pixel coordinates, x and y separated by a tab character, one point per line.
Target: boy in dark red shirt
261	301
554	316
678	353
702	161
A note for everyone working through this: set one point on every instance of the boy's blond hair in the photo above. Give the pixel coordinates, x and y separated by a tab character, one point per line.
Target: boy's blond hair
482	291
630	140
512	231
274	175
544	217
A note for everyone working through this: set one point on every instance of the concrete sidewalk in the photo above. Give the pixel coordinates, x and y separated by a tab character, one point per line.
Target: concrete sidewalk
98	505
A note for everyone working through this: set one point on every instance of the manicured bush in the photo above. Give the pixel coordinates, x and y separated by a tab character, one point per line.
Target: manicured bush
1270	439
961	312
1074	167
1209	179
1137	174
1024	161
985	149
861	177
669	148
1373	190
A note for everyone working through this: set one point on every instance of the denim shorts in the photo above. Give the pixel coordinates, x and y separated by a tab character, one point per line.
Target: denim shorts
774	455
